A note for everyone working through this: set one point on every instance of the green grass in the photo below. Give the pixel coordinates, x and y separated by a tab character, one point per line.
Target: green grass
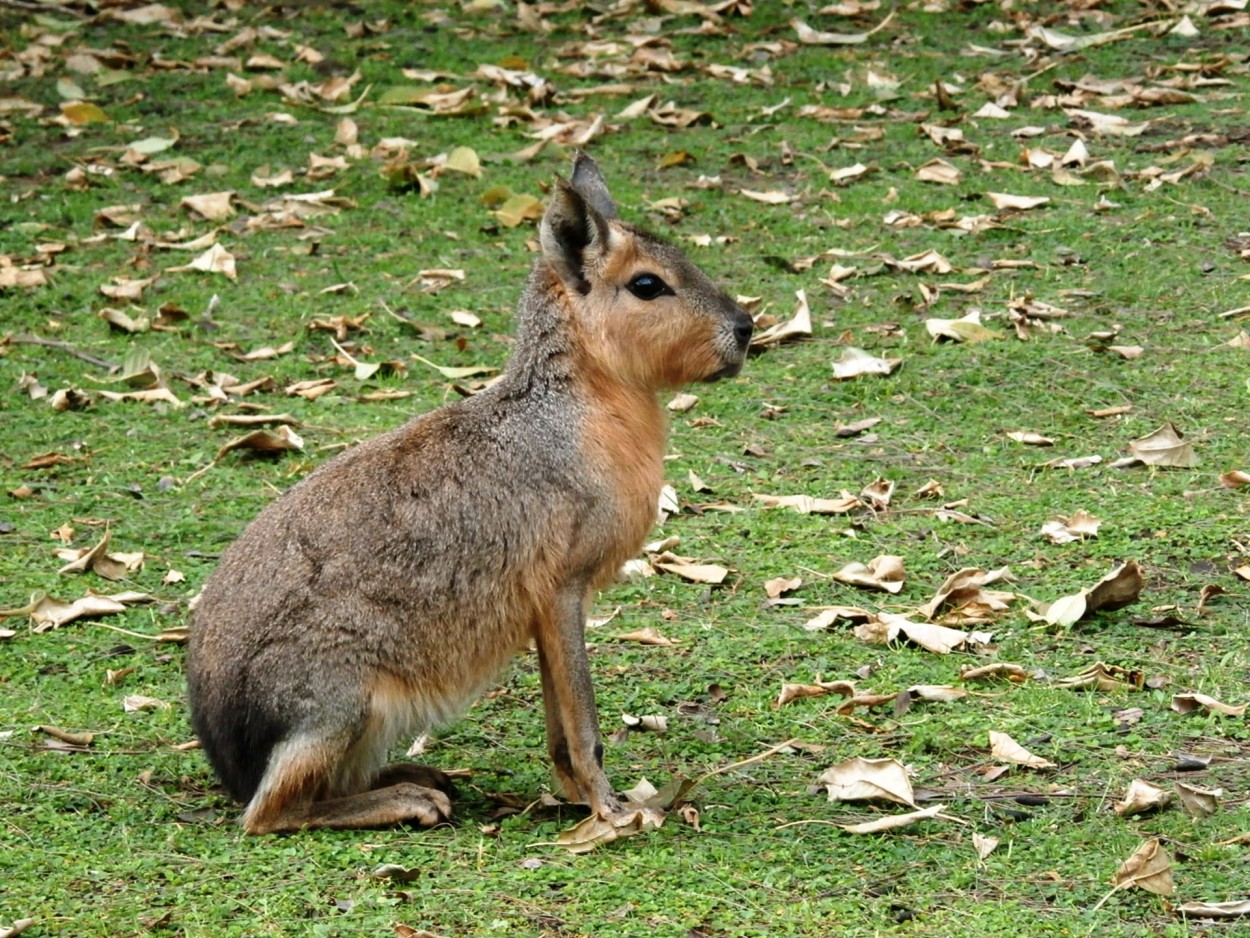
132	836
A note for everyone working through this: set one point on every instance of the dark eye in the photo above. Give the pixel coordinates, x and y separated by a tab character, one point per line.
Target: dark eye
648	287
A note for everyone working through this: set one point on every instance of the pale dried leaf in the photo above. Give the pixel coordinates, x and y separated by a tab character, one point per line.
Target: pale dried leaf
1234	908
884	572
1199	802
1005	749
791	692
894	821
806	505
1004	201
999	669
135	703
595	830
861	779
1165	447
781	585
1141	798
798	326
695	572
855	363
1149	868
1193	703
984	845
649	635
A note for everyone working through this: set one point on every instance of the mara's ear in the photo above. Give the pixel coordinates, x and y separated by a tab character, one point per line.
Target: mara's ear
589	182
573	235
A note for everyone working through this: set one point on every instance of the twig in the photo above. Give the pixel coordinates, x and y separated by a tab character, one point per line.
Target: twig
59	346
737	765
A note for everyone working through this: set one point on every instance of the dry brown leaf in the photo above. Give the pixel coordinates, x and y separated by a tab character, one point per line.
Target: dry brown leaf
1199	802
1234	908
1121	587
1149	868
968	585
855	363
883	572
1005	749
137	703
1003	201
49	613
861	779
281	440
595	831
683	402
771	197
695	572
1104	677
940	172
829	616
798	326
649	635
1078	526
816	37
781	585
806	505
1193	703
213	206
1164	447
111	566
655	722
894	821
877	494
791	692
1141	798
1235	479
1030	438
216	260
999	669
965	329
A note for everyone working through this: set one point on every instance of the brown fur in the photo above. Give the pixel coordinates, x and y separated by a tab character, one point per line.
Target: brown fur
379	595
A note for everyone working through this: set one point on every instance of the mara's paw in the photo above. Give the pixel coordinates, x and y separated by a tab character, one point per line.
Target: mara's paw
417	804
425	776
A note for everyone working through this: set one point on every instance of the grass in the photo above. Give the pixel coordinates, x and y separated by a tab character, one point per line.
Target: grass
131	836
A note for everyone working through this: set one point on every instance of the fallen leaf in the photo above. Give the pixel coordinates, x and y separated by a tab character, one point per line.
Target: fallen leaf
1078	526
1149	868
267	442
771	197
1003	201
649	635
1234	908
807	505
1029	438
1199	802
694	572
780	585
1104	677
965	329
1141	798
816	37
894	821
1121	587
216	260
798	326
999	669
884	572
213	206
791	692
49	613
1164	447
595	830
984	845
1193	703
860	779
1005	749
135	703
855	363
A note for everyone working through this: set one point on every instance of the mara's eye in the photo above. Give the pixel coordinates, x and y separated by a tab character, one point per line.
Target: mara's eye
648	287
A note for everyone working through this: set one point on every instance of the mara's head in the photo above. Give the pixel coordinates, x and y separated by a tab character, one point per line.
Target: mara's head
649	316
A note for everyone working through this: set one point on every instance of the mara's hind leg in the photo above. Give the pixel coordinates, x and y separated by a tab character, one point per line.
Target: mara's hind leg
293	795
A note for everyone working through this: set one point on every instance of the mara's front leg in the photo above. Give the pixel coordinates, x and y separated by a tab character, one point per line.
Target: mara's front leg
569	703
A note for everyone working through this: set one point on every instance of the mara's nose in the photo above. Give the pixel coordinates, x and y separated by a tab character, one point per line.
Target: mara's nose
743	327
